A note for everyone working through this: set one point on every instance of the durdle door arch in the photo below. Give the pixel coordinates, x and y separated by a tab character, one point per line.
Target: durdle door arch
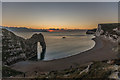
20	48
38	45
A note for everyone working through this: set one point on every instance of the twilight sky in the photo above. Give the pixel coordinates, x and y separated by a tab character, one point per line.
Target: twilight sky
72	15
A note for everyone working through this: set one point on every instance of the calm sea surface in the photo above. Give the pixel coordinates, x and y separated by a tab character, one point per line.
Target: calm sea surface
57	47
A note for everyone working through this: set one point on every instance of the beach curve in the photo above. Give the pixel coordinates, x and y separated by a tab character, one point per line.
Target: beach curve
101	51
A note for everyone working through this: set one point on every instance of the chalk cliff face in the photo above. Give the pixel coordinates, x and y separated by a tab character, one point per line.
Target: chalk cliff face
99	31
15	48
107	29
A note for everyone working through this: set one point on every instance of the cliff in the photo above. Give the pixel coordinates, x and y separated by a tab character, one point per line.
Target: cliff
111	28
15	48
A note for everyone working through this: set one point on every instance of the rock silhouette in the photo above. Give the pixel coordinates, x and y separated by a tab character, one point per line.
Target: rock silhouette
33	42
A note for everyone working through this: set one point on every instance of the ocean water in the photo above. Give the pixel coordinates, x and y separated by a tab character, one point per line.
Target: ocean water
57	47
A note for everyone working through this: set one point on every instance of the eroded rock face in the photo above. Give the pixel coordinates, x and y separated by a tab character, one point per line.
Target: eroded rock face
32	42
15	48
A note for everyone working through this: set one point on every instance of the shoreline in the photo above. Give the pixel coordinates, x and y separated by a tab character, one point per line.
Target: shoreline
102	50
74	54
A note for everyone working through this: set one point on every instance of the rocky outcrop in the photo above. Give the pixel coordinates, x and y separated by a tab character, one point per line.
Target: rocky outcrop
15	48
92	31
12	47
111	32
32	42
104	29
99	31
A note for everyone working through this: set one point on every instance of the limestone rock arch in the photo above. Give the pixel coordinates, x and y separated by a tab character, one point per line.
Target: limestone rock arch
32	44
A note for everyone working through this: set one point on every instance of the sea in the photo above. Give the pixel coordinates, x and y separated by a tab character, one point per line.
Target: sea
57	47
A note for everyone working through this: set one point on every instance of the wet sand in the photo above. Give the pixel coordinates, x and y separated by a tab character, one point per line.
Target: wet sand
101	51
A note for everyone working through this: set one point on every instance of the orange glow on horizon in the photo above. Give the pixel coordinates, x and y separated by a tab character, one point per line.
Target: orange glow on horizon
45	27
51	30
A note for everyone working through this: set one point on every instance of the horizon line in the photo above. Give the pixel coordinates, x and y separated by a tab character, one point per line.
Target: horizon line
49	28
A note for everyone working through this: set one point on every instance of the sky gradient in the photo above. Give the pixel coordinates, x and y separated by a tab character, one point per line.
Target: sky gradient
69	15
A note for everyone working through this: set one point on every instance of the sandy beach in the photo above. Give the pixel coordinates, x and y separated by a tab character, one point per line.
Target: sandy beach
101	51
